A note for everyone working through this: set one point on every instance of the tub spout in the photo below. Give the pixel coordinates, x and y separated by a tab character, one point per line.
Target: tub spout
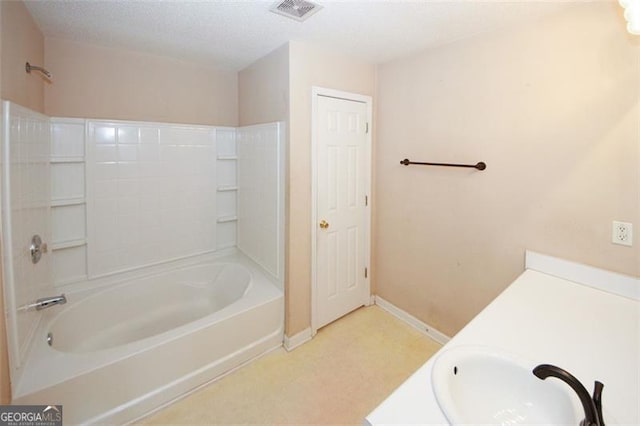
46	302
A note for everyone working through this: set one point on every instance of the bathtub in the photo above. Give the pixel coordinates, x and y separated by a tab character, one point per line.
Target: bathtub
122	352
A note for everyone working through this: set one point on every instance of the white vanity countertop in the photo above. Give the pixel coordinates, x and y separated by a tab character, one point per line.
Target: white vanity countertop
593	334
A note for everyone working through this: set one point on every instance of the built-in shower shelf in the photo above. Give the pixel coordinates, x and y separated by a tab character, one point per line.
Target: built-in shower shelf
68	202
66	160
227	157
225	188
68	244
224	219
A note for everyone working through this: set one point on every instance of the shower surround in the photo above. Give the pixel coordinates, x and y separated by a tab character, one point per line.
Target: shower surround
132	203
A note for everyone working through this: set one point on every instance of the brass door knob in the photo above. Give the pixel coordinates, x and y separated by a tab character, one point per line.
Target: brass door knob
324	224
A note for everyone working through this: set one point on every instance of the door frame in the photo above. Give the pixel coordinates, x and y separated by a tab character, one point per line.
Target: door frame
316	92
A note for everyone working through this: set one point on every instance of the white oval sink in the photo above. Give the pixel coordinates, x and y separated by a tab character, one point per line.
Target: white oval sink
479	385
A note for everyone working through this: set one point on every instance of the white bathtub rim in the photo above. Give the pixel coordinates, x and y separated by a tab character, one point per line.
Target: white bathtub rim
86	362
120	406
175	333
51	317
43	359
79	295
50	322
87	286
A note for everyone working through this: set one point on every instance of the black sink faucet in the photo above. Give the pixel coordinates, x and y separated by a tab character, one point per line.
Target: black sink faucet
592	406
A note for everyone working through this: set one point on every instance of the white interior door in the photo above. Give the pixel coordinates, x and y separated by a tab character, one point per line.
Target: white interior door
342	219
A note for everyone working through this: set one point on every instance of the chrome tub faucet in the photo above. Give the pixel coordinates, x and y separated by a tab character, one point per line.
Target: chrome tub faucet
46	302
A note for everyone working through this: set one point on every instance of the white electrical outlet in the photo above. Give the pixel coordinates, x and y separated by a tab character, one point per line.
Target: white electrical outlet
622	233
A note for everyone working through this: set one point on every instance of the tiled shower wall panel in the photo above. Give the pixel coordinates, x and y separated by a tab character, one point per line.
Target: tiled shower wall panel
25	208
260	195
150	194
67	138
68	212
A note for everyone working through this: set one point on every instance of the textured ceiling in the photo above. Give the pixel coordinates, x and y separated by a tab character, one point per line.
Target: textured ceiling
233	34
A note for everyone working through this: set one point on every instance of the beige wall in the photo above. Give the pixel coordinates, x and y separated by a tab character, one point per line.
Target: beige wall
552	108
22	42
310	66
263	89
98	82
278	87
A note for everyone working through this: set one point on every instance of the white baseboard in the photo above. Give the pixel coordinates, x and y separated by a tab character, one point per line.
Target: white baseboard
290	343
412	321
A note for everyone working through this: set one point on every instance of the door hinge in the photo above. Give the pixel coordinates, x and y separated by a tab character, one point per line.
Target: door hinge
367	128
366	272
366	200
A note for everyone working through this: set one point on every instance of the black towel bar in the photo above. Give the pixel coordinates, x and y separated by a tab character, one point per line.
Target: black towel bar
479	166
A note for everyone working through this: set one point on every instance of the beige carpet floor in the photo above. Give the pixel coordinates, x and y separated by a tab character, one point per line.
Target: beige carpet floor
348	368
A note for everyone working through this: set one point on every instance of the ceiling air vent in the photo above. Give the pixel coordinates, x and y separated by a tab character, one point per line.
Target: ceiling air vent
299	10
